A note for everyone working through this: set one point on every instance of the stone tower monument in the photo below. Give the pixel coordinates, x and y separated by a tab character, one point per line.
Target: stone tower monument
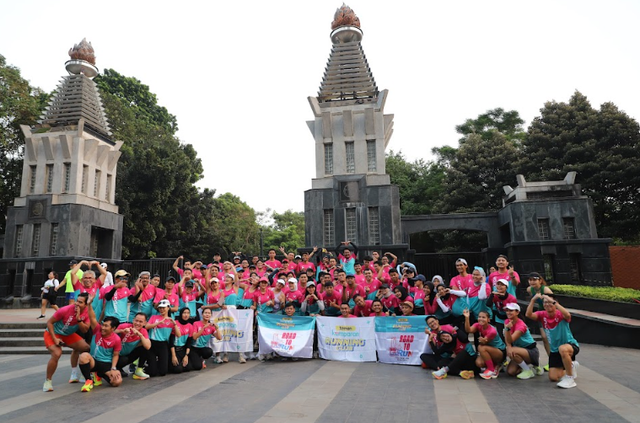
66	206
351	196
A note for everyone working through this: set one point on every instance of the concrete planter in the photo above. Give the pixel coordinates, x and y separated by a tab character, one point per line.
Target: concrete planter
614	308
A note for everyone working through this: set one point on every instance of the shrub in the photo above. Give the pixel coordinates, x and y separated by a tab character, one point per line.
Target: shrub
609	293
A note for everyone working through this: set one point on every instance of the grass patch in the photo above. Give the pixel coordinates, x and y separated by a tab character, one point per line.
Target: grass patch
609	293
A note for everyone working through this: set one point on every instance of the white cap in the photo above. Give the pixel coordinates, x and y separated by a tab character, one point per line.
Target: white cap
280	281
103	265
164	303
294	280
512	306
503	281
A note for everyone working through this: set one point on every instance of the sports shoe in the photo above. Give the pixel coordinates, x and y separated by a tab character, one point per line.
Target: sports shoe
204	364
467	374
440	374
42	316
526	374
488	374
538	370
217	360
423	365
48	386
88	386
139	374
575	366
74	377
261	357
241	358
225	358
546	367
566	382
97	380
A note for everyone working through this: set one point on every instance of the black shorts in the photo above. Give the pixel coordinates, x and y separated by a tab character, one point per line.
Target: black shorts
534	354
101	368
555	360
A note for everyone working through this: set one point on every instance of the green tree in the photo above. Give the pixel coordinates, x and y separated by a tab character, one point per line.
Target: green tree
603	147
507	123
420	183
20	104
287	230
235	227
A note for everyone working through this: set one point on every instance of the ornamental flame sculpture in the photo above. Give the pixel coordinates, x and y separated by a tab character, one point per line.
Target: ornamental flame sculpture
83	51
345	16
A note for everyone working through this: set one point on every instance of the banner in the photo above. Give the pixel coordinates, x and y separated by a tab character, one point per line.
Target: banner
400	340
286	336
236	328
346	339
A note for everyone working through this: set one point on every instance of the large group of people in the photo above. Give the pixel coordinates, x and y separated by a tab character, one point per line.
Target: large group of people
117	327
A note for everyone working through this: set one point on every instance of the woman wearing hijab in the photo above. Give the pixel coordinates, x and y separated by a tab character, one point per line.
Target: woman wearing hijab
402	295
181	344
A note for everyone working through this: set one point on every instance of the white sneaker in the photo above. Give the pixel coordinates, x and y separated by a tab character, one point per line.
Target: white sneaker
261	357
242	358
74	377
566	382
48	385
574	369
253	356
225	358
538	370
217	360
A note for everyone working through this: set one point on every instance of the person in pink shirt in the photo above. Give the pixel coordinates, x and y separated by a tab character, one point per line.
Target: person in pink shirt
302	283
293	295
394	278
505	272
388	299
380	273
363	307
345	311
406	307
463	280
263	299
167	294
403	296
429	299
350	290
492	350
370	284
332	300
305	263
359	275
272	263
135	344
261	269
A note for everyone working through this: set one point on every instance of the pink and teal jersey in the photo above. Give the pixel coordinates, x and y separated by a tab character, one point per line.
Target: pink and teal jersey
373	288
364	311
230	296
163	331
511	289
557	329
185	333
144	303
117	305
189	301
333	298
203	340
525	340
491	334
247	298
130	340
65	320
460	283
262	299
102	348
160	295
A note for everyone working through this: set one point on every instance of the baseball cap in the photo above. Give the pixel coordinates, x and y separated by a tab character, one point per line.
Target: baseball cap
189	284
310	283
121	273
294	280
280	281
103	265
298	257
408	303
164	303
73	262
215	280
170	279
512	306
503	281
534	275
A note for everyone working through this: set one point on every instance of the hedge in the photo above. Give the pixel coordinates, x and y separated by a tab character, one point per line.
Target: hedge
610	293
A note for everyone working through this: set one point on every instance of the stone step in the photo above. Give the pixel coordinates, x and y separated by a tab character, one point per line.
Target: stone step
35	325
21	333
22	342
30	350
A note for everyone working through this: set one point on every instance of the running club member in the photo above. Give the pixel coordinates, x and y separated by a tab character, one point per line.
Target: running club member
105	352
491	351
116	296
135	345
61	330
370	284
555	321
350	290
141	296
363	307
203	331
521	348
272	263
263	299
332	300
160	328
181	344
347	253
312	305
345	311
505	272
169	295
537	285
388	299
377	309
498	301
463	280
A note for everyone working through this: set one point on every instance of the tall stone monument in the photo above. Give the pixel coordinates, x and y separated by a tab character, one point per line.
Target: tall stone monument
351	196
66	206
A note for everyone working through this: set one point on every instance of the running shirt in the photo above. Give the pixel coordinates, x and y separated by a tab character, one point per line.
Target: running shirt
525	340
163	331
474	304
348	264
130	340
373	288
302	267
274	264
557	329
262	299
392	303
65	320
161	295
189	301
102	348
333	298
294	296
68	283
491	334
93	290
230	296
353	291
144	303
210	299
363	311
185	333
117	305
247	298
459	283
207	333
511	289
499	303
418	296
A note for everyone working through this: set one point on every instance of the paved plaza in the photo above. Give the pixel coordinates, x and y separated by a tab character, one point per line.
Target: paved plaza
324	391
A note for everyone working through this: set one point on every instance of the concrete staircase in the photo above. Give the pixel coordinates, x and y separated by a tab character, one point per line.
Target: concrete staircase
24	338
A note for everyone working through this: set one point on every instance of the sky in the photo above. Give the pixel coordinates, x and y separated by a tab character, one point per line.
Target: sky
237	74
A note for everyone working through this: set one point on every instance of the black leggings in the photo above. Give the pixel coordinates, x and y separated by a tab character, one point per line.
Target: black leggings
158	363
180	354
138	353
435	362
196	355
463	361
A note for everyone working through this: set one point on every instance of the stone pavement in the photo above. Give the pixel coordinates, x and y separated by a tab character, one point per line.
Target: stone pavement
324	391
